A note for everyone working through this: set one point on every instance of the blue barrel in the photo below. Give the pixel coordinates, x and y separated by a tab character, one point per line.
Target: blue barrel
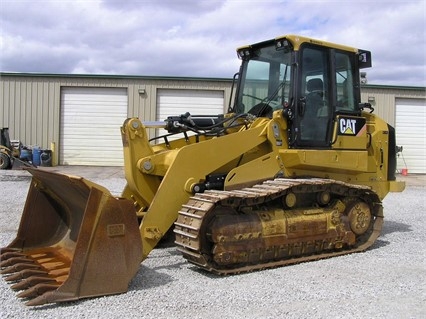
26	154
36	155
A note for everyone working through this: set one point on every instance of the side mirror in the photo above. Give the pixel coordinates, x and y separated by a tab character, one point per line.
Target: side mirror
364	59
362	106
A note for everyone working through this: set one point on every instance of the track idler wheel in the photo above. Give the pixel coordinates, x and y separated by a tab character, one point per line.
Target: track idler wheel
359	214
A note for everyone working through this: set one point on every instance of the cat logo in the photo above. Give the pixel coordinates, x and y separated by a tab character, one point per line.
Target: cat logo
351	125
347	126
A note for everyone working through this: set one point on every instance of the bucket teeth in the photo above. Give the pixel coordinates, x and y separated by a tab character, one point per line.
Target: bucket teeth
40	300
18	267
36	273
30	262
38	290
32	281
14	260
5	255
4	250
24	274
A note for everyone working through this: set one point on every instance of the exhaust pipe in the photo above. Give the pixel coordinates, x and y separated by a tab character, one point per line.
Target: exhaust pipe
75	240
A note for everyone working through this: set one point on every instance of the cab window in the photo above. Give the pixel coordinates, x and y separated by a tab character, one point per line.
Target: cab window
265	85
344	84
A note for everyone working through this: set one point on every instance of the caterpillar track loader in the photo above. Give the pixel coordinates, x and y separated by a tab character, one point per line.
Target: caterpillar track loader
294	171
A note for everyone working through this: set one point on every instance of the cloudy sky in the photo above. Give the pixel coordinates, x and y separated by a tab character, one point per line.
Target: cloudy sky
198	38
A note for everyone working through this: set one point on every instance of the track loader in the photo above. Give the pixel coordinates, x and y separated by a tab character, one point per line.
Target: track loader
294	171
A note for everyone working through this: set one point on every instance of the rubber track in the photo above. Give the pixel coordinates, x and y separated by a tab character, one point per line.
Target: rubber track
191	217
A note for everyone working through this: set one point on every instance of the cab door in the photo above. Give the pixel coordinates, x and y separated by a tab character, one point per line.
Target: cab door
328	97
350	127
314	106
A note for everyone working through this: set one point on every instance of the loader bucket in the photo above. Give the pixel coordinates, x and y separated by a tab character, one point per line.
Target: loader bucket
75	240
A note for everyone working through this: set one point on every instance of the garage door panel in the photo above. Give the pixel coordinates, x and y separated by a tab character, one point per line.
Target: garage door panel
90	122
99	153
411	134
93	109
88	108
84	142
196	102
90	126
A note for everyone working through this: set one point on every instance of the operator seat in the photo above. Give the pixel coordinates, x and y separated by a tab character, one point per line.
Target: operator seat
315	85
314	98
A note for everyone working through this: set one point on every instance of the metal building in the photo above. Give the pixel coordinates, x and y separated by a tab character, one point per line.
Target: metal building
405	109
78	116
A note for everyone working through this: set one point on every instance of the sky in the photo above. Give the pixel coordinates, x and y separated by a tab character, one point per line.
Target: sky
198	38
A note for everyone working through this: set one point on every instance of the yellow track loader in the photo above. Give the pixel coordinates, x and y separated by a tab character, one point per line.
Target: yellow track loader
294	171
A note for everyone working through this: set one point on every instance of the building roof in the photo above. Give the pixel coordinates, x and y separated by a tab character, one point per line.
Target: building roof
112	76
180	78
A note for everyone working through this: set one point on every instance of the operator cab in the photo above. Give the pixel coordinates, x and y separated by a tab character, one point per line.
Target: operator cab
314	82
264	79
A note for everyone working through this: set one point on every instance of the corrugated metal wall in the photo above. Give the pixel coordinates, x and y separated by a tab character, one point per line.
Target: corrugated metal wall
29	106
383	99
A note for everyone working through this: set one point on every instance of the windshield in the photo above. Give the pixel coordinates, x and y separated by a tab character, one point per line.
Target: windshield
265	80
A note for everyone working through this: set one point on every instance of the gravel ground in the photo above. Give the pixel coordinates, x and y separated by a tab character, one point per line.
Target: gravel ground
387	281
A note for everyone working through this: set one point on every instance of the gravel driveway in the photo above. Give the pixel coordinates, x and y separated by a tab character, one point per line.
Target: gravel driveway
387	281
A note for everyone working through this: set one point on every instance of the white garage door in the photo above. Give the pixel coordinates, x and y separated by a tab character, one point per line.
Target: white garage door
196	102
411	134
90	126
